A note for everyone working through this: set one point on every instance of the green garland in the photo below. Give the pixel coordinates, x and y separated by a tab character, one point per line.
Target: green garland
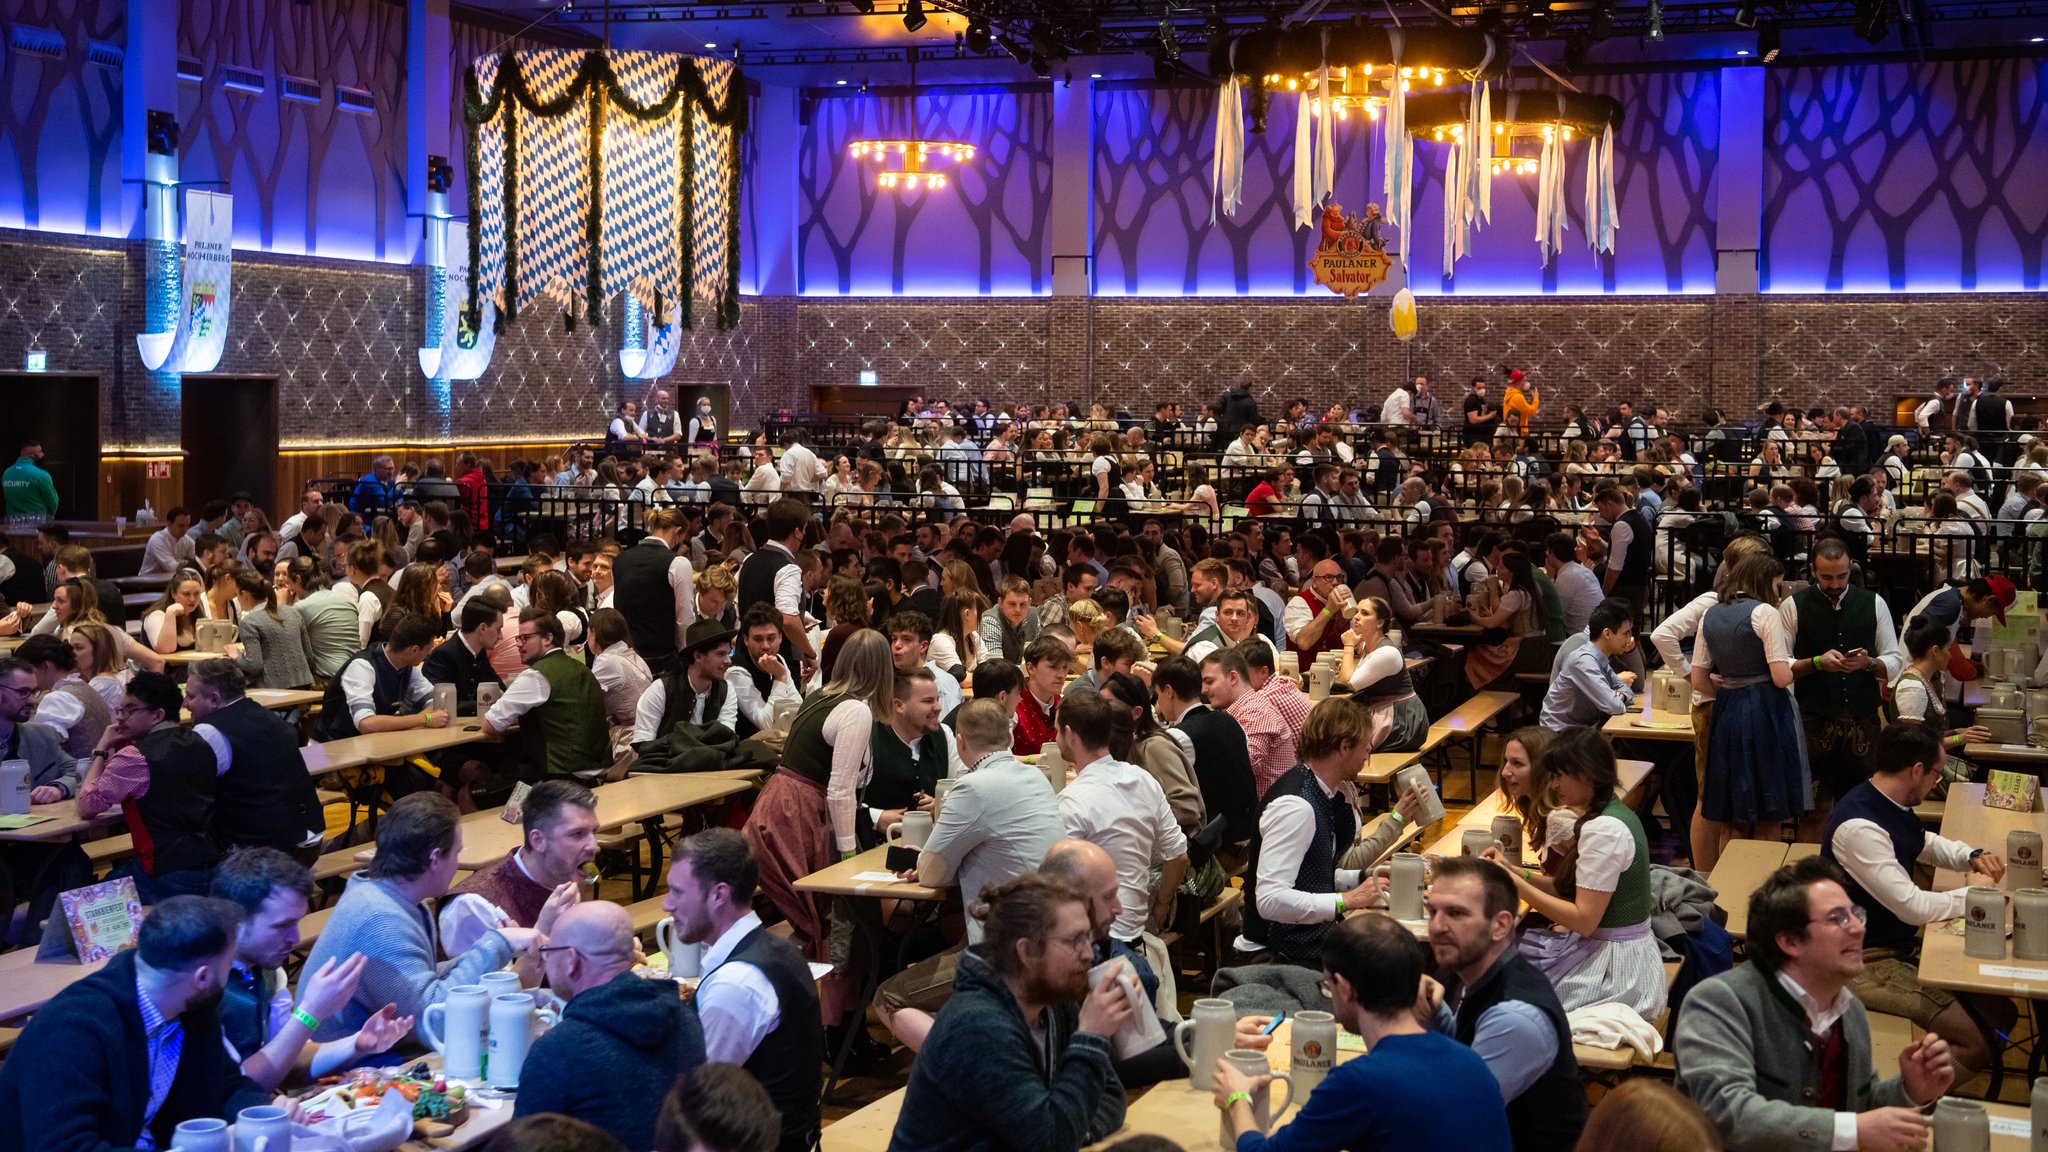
686	209
596	81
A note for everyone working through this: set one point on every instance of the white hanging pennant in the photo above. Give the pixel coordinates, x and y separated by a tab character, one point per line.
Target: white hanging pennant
1304	164
1326	149
1226	170
1400	151
1453	232
1483	169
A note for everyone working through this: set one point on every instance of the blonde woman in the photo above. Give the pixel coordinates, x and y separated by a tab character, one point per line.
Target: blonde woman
805	817
1087	620
98	653
718	596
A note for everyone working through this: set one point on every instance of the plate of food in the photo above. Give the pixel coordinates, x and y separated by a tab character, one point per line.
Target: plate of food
435	1102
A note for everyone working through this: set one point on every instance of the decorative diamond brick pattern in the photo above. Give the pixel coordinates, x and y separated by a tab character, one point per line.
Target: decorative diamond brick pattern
1879	348
991	349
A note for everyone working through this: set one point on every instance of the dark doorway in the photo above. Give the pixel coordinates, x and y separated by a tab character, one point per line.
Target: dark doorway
230	438
62	411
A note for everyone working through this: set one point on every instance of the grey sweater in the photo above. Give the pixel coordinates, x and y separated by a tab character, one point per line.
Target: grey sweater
48	763
274	650
405	966
1743	1057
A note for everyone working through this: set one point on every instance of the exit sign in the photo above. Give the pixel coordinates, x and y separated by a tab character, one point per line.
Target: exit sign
157	469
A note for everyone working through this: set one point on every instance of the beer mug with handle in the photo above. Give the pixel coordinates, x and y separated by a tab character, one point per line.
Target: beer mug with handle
685	961
1214	1029
454	1027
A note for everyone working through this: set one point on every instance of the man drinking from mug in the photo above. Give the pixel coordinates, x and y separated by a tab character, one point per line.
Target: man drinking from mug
1877	839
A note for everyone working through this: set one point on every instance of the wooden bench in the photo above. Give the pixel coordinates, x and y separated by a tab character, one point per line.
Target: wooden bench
1609	1061
1931	812
1465	723
1742	868
108	850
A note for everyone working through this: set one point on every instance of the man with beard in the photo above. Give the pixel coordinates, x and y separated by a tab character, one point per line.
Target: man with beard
1021	1056
758	679
1844	650
540	877
125	1055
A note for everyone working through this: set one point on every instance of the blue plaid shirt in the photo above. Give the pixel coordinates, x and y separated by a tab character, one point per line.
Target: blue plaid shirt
165	1043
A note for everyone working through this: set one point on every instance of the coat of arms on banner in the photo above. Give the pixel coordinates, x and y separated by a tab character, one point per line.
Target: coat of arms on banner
203	298
1351	257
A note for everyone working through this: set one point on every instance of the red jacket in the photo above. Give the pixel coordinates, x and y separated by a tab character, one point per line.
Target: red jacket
474	493
1035	725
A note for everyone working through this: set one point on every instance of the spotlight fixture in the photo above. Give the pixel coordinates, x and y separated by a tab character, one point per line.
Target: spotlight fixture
1537	21
1656	33
440	174
1014	47
1576	49
1168	43
162	128
1602	24
1216	36
913	15
1872	22
864	7
1745	13
978	38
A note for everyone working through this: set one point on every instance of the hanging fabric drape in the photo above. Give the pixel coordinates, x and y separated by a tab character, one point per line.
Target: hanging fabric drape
1550	202
1304	163
1326	129
1400	151
1226	171
596	173
1599	208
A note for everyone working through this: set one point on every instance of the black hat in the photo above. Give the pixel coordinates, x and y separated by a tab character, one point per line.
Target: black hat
705	634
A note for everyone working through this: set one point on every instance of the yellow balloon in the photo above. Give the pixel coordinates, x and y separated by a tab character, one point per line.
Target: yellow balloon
1404	315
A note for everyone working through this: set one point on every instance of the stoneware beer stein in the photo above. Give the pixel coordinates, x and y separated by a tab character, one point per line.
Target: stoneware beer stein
1404	885
1314	1045
1507	836
514	1024
915	829
2030	924
685	961
2022	859
1253	1063
939	792
1984	923
1213	1028
455	1028
265	1128
498	984
1475	841
203	1135
2039	1119
1961	1126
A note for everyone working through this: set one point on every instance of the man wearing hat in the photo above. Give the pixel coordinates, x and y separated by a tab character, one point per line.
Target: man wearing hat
1518	403
695	692
1958	609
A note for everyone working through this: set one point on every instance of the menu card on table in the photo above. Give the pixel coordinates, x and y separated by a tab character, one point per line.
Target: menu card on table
95	922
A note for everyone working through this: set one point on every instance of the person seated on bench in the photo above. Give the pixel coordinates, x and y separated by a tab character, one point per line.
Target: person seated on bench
1298	885
1777	1050
1380	681
1415	1088
264	1028
998	822
1021	1057
1585	689
545	874
1877	839
557	705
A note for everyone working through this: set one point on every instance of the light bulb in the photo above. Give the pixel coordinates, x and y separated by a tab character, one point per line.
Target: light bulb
1292	84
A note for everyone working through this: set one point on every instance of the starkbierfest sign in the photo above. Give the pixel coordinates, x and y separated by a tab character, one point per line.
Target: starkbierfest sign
1351	257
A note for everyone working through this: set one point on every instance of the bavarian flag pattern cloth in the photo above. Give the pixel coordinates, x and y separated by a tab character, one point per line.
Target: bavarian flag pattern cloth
601	172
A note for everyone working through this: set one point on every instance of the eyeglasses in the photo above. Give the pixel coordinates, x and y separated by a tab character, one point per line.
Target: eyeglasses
1840	917
16	690
544	949
523	637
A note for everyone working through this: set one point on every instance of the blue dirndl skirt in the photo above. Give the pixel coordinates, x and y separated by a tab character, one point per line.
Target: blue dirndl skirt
1756	757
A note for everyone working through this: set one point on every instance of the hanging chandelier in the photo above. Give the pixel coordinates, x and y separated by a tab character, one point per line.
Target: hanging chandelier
914	157
1502	157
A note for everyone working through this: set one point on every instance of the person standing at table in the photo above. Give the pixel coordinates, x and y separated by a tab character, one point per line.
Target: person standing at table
1756	750
773	575
1414	1088
1878	840
621	1041
1021	1058
383	914
1123	810
1777	1051
263	795
1481	417
1844	650
757	999
653	585
126	1054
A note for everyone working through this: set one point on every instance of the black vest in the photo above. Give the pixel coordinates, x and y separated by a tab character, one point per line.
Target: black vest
26	585
1823	628
1548	1115
897	777
245	1012
381	592
789	1060
266	799
1908	837
176	814
680	701
1336	824
1387	476
389	696
1637	565
757	586
1223	770
641	592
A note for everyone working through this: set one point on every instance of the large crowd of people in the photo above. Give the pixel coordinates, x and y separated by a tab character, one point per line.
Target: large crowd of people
1098	720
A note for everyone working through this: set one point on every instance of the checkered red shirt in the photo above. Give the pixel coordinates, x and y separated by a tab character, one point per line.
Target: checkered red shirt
1289	700
1272	743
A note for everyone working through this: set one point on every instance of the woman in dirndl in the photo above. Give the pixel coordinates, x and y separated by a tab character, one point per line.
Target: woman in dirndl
1756	747
1397	720
1588	929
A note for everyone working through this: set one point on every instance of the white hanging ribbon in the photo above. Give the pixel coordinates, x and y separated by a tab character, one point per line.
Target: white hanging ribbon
1326	148
1483	170
1226	170
1304	163
1400	152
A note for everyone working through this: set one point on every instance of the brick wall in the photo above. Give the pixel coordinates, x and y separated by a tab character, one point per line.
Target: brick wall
341	339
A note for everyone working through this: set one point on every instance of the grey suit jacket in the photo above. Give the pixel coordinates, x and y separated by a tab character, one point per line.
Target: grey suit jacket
1744	1057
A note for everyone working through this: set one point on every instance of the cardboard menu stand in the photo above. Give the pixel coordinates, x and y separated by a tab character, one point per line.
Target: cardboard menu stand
92	923
2013	791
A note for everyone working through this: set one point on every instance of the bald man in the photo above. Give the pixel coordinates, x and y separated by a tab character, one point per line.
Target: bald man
622	1040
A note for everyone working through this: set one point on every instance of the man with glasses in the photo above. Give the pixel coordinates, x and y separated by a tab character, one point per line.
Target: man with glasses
161	774
622	1040
37	872
1315	616
1877	839
557	705
1777	1051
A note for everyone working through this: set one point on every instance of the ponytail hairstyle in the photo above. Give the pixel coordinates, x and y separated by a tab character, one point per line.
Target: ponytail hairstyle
1581	753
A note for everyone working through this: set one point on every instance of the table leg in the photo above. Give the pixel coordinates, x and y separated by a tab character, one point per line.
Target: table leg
868	931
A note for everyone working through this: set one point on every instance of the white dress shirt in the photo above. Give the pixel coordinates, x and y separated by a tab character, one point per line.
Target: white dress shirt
1864	851
359	686
746	700
801	470
1287	829
527	691
1121	809
165	553
735	1002
654	702
1674	630
1578	591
